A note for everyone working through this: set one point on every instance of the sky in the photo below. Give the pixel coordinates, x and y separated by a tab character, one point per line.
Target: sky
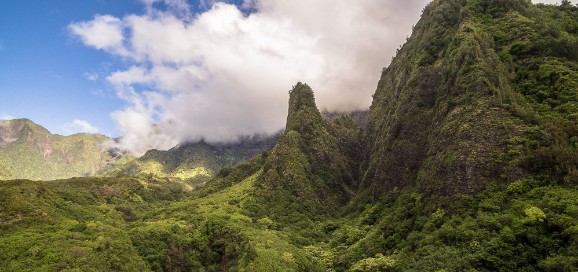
159	72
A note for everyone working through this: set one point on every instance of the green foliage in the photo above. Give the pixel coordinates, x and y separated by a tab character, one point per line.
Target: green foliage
266	222
378	264
530	230
555	152
75	224
308	168
535	215
29	151
468	162
196	163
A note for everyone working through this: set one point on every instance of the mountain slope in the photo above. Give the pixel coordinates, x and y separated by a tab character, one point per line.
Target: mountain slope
308	162
29	151
195	162
455	109
445	111
472	123
77	223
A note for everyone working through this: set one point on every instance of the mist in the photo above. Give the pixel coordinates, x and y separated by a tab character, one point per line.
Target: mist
219	71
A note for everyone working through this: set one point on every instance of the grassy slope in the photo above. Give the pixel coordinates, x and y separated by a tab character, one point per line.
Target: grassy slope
127	224
268	249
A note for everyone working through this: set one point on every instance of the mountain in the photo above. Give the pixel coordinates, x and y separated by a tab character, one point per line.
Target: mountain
467	161
471	135
461	104
29	151
308	165
446	112
359	117
195	162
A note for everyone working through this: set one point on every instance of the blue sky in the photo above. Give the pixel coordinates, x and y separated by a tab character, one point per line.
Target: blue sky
49	76
43	69
185	70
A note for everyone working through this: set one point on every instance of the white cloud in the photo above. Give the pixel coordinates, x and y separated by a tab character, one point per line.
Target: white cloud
180	8
91	76
206	4
80	126
103	32
221	74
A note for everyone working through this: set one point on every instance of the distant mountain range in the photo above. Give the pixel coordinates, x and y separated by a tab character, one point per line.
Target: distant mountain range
194	162
29	151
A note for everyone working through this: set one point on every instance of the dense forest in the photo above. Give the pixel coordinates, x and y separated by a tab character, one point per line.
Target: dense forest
468	161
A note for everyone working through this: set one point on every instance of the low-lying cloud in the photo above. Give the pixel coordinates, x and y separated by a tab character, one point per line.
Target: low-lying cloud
80	126
225	72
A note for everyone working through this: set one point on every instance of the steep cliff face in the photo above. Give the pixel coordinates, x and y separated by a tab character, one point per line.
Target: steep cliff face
449	114
309	163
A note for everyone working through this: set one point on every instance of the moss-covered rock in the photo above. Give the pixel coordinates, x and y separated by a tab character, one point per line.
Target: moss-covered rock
451	111
308	163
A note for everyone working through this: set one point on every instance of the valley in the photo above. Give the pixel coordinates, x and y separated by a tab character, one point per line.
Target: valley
466	161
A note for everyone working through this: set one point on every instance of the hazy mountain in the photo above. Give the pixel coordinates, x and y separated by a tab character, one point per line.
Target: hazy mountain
467	162
196	161
29	151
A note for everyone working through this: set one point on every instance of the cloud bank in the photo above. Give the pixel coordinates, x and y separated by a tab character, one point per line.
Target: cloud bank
80	126
225	72
217	71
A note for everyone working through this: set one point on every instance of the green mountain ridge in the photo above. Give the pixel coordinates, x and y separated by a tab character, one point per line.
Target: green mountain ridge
445	113
468	162
195	162
29	151
309	163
